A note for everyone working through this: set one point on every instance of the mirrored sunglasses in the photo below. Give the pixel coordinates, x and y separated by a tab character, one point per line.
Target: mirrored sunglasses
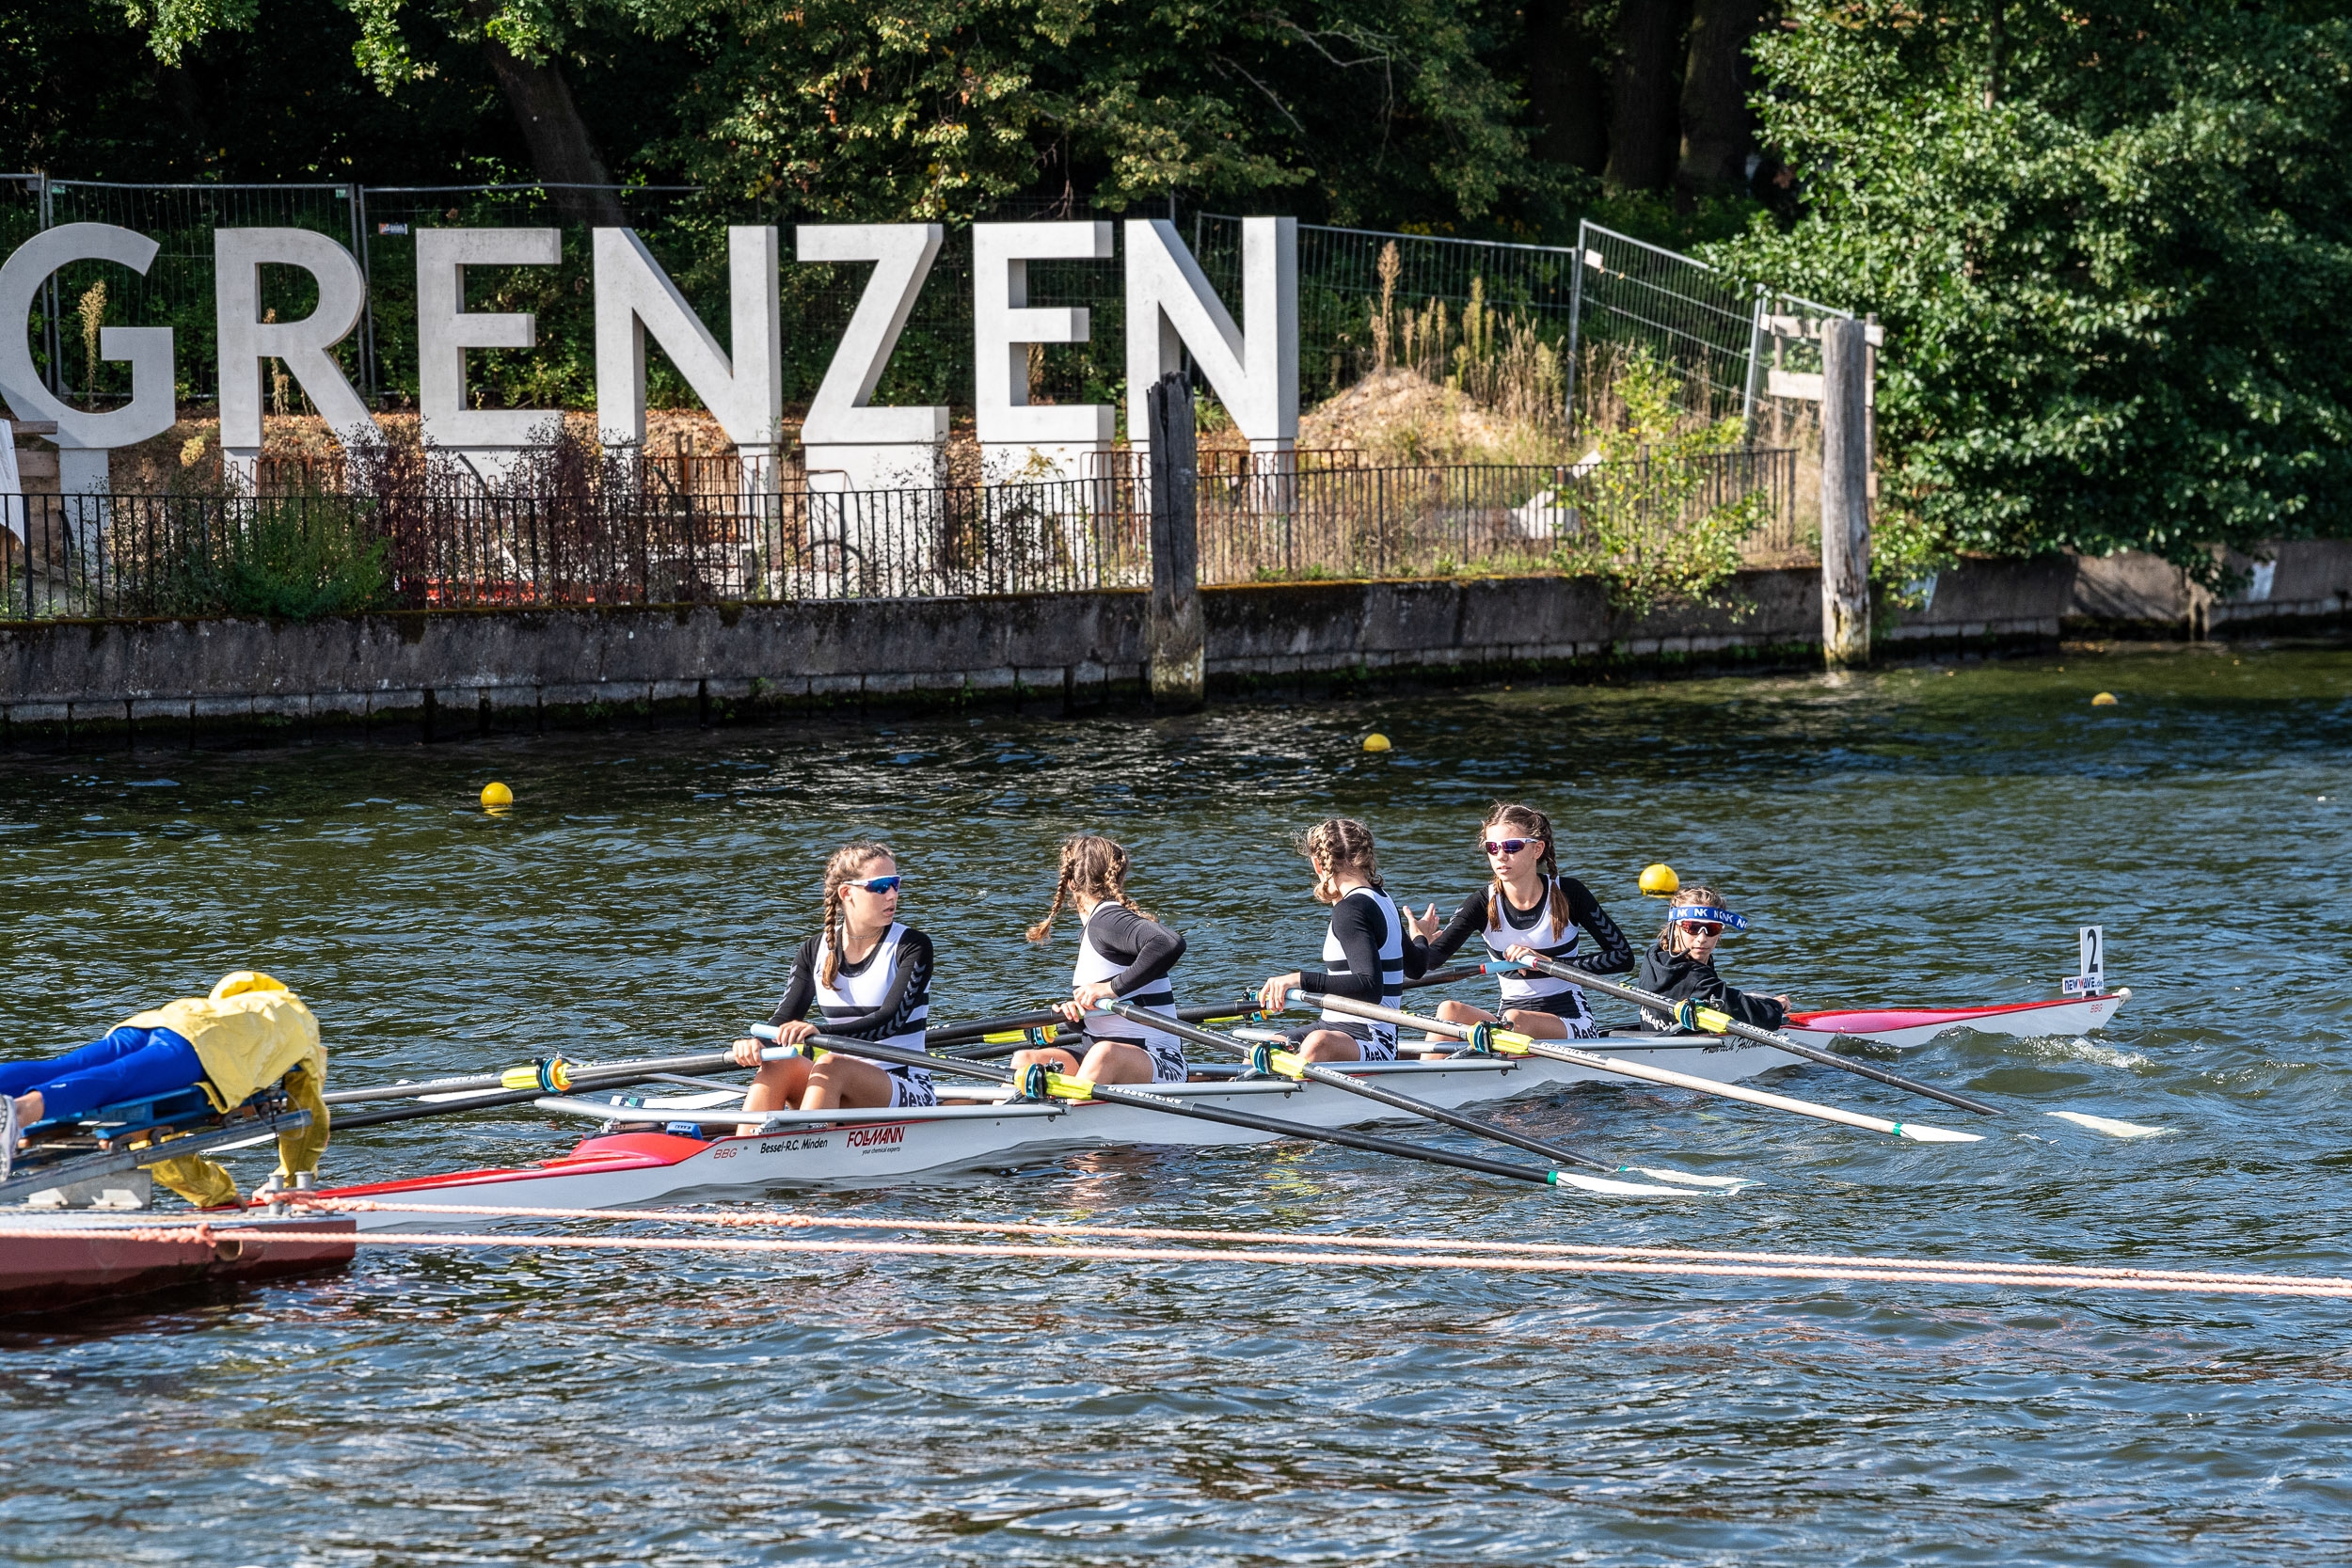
1507	845
878	884
1701	928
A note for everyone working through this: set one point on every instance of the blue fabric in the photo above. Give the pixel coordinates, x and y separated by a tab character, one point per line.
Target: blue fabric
1725	918
128	1064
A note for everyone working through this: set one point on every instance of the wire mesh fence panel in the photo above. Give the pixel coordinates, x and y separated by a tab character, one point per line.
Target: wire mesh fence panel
23	202
1698	324
1361	292
176	290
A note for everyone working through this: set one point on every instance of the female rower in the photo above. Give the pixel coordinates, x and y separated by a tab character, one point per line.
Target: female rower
1682	966
1123	955
1529	911
1368	951
870	978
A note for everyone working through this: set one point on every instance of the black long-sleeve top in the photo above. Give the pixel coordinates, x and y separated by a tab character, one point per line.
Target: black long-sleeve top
1612	954
1678	977
910	989
1357	926
1148	949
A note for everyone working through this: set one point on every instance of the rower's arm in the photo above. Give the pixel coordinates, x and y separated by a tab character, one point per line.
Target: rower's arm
1467	922
1615	954
1148	949
800	993
1352	923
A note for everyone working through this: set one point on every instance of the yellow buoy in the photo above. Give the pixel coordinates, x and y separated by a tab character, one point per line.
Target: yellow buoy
2105	699
1659	882
1376	742
496	794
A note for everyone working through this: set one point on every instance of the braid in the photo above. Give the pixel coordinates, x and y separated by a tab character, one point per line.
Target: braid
1044	927
1342	843
832	940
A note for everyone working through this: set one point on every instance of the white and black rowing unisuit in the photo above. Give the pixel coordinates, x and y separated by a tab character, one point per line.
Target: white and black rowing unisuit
1118	947
883	997
1364	957
1489	915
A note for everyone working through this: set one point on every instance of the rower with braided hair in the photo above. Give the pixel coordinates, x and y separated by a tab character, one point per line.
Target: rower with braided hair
1123	955
870	978
1529	910
1368	952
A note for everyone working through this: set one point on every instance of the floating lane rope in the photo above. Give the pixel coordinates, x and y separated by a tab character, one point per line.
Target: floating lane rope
1428	1253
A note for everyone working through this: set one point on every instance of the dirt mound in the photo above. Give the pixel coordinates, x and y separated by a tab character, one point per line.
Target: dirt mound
1402	417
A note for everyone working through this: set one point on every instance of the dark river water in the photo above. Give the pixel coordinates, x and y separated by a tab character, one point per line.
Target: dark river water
1921	835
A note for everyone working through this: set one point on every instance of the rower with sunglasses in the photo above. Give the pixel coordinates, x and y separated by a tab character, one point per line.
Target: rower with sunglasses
870	978
1529	910
1682	968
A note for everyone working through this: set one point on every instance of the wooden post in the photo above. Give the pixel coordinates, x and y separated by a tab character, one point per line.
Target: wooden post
1845	496
1177	638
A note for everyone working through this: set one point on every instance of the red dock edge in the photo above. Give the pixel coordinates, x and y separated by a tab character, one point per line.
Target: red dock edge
42	1273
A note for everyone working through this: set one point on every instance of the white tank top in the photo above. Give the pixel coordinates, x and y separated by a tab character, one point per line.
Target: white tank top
856	995
1391	962
1537	992
1094	967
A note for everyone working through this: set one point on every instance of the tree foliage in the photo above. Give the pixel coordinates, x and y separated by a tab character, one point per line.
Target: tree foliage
2110	246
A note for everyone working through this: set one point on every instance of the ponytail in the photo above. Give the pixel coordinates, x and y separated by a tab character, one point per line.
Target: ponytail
1342	844
1094	867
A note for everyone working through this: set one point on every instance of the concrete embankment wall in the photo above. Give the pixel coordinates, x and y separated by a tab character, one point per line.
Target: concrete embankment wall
446	673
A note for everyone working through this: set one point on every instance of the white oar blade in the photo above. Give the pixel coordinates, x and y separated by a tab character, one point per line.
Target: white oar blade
1619	1189
2112	1127
1920	1133
1729	1183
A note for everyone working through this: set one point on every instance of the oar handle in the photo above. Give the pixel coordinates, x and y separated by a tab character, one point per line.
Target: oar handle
1746	1031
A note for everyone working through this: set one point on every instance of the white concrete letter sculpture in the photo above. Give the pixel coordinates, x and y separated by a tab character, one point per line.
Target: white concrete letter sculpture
1253	367
1020	440
246	340
851	444
84	438
446	329
745	392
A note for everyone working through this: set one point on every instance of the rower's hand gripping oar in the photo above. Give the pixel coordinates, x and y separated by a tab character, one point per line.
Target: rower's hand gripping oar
1051	1084
1509	1043
1691	1016
1290	1064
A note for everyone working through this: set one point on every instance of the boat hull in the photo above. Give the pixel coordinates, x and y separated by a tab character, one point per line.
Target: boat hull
865	1147
1909	1027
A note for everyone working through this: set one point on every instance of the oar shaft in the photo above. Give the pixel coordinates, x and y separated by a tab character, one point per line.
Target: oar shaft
1343	1081
1144	1099
1760	1036
584	1079
1560	1051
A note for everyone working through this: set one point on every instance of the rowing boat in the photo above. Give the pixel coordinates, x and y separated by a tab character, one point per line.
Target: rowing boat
638	1159
650	1150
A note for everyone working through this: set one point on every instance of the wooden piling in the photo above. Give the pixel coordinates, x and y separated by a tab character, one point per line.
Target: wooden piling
1178	636
1845	494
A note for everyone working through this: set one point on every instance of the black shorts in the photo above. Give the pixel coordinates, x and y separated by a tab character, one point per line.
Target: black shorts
1378	1041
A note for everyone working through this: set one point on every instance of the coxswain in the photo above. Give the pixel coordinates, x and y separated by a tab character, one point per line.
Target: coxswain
1368	953
1682	968
250	1034
1526	910
1124	956
868	978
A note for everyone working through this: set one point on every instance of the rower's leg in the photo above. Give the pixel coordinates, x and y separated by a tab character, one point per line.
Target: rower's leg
1458	1012
1052	1057
778	1085
1111	1062
129	1064
1329	1045
843	1083
1541	1026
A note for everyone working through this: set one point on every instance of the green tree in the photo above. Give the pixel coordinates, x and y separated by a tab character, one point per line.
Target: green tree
2110	246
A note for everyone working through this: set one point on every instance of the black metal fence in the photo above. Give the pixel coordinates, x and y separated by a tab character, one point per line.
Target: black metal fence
302	554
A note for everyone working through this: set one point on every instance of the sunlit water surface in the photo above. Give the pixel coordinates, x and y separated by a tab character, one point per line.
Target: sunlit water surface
1920	836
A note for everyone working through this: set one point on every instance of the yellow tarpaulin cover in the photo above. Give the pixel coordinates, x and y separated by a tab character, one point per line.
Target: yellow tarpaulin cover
249	1033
